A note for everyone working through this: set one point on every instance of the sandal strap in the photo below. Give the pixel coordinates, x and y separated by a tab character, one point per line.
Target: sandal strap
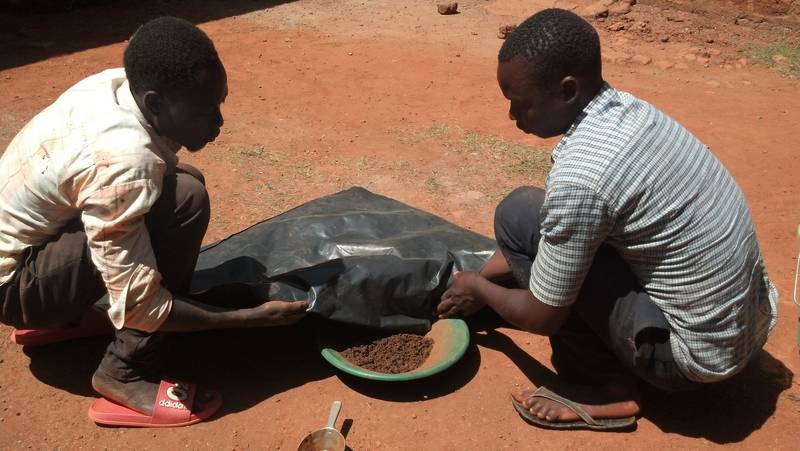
544	392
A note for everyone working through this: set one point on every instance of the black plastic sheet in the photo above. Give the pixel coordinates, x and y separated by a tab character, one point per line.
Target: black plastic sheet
358	257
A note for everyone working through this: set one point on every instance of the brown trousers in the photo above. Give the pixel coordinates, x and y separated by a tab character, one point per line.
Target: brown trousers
57	283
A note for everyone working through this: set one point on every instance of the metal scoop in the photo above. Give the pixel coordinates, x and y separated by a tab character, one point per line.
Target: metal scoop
328	438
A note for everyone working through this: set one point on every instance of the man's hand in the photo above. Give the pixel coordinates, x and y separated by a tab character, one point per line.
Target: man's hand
275	313
461	298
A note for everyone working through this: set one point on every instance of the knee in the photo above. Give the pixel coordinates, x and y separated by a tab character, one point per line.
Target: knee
193	199
519	208
193	171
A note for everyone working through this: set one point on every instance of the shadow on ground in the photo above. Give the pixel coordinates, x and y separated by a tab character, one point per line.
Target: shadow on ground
34	30
68	365
250	366
246	365
726	412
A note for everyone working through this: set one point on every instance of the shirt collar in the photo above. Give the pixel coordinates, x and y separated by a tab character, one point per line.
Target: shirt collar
597	103
165	148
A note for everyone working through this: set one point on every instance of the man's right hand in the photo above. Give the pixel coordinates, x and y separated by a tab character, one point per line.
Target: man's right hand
275	313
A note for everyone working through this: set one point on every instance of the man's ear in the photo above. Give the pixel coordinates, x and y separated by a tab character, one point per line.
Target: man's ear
569	89
153	102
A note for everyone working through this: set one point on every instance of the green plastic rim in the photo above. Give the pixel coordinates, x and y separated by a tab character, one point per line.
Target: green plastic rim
450	341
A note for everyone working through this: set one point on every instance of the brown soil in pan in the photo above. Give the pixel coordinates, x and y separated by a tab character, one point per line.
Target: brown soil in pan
399	353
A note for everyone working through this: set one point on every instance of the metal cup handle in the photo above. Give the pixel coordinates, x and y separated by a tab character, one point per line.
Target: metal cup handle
335	408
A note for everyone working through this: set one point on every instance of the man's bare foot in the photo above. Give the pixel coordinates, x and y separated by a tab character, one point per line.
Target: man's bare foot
612	401
137	395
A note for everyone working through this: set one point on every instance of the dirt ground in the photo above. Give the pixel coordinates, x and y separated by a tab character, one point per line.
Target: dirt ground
394	97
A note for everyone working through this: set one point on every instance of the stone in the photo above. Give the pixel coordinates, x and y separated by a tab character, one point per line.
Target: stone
447	8
664	38
595	11
619	9
615	57
505	30
641	59
617	26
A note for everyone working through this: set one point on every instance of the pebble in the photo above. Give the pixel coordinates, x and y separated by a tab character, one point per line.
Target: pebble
595	11
617	26
620	8
664	38
505	29
641	59
447	8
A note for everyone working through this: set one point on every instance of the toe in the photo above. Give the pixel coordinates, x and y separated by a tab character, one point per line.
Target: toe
523	396
202	398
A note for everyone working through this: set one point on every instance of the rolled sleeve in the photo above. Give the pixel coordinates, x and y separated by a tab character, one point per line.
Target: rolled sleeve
575	222
119	242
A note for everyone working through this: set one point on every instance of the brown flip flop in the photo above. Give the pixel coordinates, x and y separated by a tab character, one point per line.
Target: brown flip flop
586	421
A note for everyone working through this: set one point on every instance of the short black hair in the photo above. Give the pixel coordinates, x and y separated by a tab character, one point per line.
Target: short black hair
166	53
556	43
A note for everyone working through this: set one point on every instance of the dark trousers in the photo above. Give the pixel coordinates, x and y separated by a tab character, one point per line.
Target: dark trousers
614	329
57	283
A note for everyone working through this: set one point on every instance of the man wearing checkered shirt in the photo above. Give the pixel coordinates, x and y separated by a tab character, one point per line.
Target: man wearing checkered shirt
639	258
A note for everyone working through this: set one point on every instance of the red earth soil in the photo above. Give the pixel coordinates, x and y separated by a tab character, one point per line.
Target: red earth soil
399	99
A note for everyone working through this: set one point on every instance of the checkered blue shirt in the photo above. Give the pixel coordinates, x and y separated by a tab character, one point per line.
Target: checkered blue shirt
627	175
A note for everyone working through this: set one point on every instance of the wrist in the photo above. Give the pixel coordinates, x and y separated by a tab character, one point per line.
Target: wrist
238	318
478	287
